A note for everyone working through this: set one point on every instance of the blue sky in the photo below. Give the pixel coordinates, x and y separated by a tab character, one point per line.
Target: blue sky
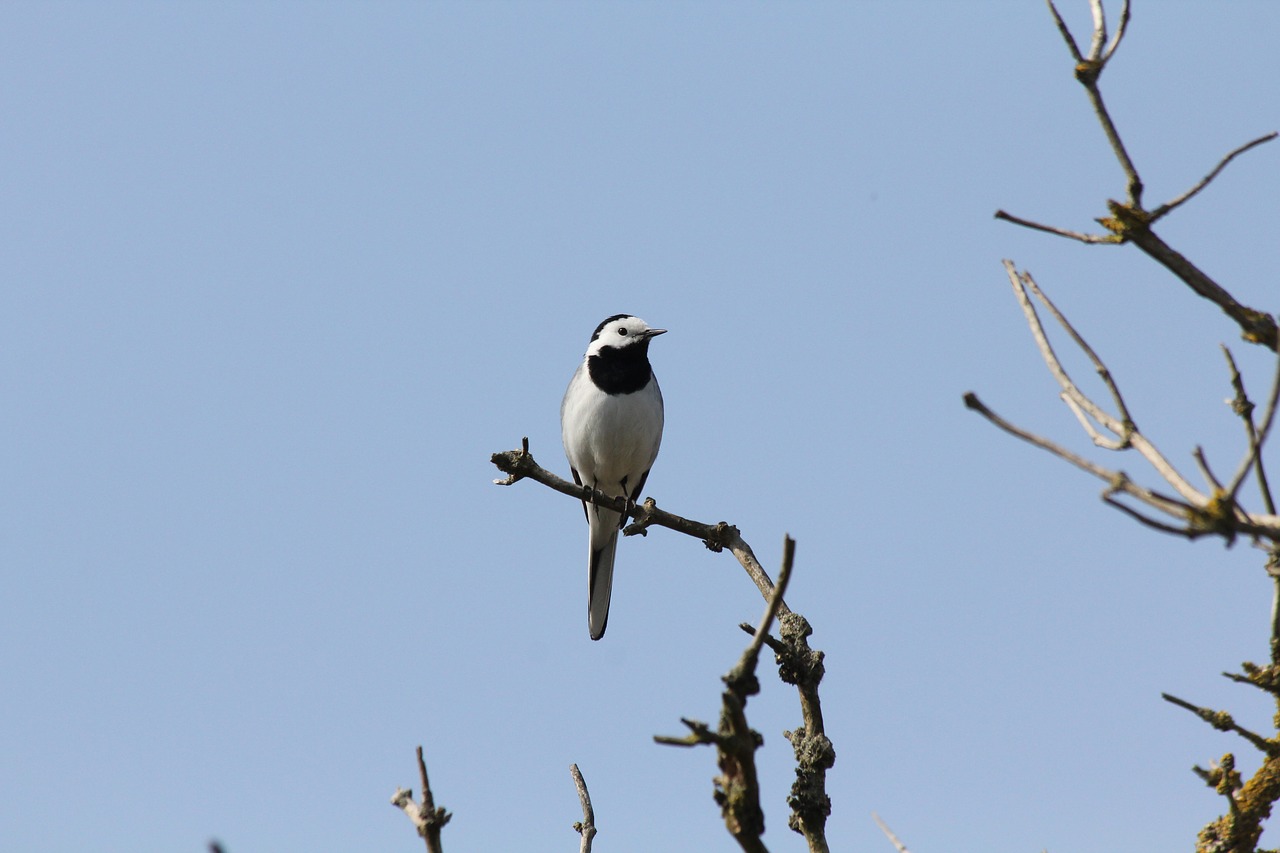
280	277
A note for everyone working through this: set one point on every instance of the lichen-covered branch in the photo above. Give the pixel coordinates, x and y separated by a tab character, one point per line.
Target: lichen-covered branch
737	788
815	755
1249	802
1223	722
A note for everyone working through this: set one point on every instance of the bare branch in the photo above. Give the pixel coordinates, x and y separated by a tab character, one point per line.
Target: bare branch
520	464
1021	282
1197	521
1129	221
1088	76
1099	30
1273	569
427	818
893	839
1066	33
1087	425
1256	326
1061	232
587	827
699	734
752	652
1205	470
1122	427
513	476
1124	418
971	401
1223	722
1120	31
1194	513
1243	406
798	664
1155	524
1265	678
1253	458
1204	182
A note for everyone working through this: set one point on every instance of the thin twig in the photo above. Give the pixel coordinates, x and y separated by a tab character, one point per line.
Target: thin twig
1116	480
893	839
1154	523
1087	425
1123	426
1021	282
1223	722
1120	31
1205	470
699	733
1243	406
1124	418
1256	439
1066	33
774	604
1053	229
1204	182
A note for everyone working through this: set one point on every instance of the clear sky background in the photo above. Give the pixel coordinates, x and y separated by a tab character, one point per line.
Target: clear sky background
279	278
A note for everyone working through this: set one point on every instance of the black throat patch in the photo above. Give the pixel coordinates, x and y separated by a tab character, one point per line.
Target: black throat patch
621	370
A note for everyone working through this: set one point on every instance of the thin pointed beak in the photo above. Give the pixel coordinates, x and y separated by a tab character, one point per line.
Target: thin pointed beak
653	333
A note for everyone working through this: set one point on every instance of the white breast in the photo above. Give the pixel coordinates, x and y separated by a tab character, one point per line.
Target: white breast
609	438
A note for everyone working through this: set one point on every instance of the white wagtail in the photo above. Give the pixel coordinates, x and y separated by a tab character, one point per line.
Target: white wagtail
611	425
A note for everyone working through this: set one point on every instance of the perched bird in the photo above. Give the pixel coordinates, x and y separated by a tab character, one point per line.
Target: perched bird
611	425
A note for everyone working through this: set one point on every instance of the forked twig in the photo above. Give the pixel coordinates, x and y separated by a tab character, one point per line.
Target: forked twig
799	664
1130	221
1122	426
1193	513
737	786
1257	437
427	817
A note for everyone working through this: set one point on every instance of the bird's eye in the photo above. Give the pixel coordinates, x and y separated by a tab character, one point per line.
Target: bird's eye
622	330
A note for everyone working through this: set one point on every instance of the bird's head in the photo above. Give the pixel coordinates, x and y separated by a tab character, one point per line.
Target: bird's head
621	331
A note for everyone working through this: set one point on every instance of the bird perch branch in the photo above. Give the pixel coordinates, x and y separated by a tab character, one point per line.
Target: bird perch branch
798	664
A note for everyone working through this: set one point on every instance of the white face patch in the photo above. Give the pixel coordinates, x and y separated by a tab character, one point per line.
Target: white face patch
619	333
